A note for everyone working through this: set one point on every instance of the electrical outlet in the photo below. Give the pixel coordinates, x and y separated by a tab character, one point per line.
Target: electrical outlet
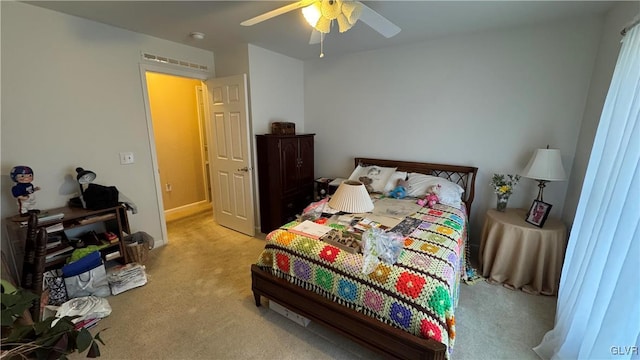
126	158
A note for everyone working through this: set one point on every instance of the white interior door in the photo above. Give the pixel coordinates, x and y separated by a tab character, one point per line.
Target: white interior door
229	154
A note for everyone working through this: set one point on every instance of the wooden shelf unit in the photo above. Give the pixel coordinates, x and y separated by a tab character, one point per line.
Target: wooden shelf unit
75	222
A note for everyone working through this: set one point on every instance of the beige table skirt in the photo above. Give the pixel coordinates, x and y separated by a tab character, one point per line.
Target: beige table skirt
520	255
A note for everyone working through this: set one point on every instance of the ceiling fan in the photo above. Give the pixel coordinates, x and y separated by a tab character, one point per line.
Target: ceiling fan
320	14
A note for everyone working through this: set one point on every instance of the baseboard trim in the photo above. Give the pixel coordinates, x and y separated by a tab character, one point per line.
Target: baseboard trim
187	210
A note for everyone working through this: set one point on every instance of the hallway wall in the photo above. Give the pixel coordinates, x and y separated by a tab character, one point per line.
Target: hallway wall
178	139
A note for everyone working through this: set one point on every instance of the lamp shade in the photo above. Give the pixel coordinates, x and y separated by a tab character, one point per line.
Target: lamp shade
85	176
352	197
545	164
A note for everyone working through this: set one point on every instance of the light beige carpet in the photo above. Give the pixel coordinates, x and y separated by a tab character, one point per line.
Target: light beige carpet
198	304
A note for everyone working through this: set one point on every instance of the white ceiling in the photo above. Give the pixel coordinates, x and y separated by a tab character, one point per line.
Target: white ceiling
288	34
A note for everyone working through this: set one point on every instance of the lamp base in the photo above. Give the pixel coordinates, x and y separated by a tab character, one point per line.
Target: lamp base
541	185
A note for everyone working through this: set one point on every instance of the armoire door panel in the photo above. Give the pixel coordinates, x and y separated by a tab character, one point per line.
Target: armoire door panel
306	156
289	164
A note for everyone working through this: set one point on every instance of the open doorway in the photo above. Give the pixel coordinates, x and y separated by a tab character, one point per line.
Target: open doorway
177	109
225	136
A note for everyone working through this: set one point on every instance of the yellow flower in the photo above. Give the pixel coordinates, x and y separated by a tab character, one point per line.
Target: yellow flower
504	189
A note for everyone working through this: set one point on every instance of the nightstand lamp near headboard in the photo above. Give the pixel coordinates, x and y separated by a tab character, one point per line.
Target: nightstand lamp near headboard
545	165
351	197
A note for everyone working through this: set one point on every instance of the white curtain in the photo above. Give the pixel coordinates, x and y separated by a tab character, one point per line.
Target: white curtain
598	310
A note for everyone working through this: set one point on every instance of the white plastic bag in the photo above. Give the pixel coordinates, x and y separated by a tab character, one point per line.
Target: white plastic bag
86	307
380	246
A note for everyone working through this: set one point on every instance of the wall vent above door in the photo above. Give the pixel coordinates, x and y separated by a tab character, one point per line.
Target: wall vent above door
170	61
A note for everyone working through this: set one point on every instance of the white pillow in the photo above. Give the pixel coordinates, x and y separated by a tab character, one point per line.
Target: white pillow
393	180
450	192
417	184
378	174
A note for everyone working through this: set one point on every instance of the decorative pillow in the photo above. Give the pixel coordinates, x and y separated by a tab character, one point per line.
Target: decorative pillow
393	180
379	175
450	193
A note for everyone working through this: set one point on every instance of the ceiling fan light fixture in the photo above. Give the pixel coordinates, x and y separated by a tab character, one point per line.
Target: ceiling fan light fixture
323	25
343	23
331	8
312	13
352	10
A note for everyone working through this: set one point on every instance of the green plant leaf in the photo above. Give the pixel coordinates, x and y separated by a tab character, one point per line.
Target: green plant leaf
43	326
84	340
94	351
14	305
21	333
98	338
46	341
64	344
7	318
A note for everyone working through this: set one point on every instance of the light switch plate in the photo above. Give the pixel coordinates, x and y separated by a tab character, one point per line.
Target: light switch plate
126	158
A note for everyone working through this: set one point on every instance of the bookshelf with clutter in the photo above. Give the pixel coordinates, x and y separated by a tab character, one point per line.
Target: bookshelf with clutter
78	255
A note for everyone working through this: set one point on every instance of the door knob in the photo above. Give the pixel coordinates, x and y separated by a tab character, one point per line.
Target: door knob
245	169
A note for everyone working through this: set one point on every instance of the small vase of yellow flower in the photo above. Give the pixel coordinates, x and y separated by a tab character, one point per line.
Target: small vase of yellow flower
503	186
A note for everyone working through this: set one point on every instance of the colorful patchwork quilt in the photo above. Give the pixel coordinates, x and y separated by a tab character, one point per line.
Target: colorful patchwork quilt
417	294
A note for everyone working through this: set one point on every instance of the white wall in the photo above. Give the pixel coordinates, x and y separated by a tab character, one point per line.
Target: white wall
233	60
608	51
487	100
277	86
276	93
72	96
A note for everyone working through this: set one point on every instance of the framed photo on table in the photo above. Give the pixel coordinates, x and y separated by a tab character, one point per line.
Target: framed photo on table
538	213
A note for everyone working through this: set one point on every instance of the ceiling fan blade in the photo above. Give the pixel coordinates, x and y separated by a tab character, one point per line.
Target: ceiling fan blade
378	22
279	11
315	37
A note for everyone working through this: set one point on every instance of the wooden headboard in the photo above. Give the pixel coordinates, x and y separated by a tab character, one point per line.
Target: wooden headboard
464	176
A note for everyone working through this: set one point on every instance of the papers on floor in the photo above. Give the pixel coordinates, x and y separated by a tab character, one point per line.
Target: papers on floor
126	277
310	229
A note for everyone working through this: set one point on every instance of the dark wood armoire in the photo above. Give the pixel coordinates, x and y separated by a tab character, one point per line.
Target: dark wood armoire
285	177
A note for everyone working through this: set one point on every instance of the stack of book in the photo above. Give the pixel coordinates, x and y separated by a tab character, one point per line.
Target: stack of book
61	250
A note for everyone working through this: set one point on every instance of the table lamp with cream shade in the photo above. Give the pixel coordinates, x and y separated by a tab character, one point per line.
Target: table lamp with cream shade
545	165
351	197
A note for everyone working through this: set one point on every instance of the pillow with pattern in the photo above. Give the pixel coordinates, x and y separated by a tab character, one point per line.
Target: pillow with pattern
379	175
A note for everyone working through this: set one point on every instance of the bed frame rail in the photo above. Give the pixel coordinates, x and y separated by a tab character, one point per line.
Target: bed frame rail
373	334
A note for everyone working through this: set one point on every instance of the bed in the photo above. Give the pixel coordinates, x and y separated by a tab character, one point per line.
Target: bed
427	334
